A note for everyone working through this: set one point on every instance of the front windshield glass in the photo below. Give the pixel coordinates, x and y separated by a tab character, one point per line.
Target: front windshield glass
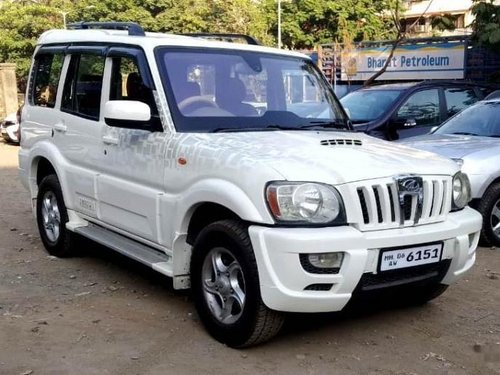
231	90
482	119
368	105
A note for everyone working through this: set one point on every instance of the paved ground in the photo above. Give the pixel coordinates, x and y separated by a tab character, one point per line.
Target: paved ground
103	314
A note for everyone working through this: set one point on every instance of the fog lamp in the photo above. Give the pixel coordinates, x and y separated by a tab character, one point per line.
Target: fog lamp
322	263
326	260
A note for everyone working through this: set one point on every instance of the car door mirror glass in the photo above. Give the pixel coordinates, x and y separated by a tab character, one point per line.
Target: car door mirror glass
403	123
409	123
127	114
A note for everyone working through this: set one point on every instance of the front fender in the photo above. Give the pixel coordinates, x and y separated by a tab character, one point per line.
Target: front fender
226	194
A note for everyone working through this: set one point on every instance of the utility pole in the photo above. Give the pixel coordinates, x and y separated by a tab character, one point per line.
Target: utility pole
64	18
279	24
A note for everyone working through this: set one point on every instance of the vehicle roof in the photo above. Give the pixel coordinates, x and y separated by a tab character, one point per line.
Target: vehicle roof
150	40
409	85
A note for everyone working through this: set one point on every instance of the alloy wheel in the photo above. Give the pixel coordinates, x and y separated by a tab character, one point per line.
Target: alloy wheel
51	216
223	285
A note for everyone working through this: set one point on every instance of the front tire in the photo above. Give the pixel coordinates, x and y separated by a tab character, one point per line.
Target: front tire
52	217
489	207
225	285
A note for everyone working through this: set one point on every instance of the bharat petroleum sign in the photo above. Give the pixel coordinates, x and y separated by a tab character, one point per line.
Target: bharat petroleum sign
419	61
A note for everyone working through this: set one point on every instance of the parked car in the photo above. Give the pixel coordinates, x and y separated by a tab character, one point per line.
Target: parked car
493	95
9	128
148	144
402	110
472	138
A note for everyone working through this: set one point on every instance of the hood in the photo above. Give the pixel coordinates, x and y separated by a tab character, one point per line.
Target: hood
452	145
325	156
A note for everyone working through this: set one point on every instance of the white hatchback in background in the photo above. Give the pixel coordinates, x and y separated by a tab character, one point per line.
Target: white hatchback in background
233	169
9	128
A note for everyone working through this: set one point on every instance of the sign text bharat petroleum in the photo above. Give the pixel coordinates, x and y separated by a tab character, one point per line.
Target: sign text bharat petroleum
418	61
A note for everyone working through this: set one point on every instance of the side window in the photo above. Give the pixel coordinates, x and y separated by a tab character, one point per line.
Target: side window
127	83
458	99
82	89
46	79
423	107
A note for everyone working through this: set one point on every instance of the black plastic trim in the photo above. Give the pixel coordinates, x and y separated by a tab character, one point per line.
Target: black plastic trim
129	124
134	29
225	37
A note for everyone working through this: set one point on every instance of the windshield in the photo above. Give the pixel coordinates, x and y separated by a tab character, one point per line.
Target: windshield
368	105
481	119
231	90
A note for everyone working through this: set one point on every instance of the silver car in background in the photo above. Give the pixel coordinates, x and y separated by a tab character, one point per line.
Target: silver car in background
472	139
9	128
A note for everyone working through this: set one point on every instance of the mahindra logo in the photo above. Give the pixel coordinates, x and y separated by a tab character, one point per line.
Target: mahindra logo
412	186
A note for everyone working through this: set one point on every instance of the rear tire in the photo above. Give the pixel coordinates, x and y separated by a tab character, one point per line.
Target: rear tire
52	217
489	207
225	284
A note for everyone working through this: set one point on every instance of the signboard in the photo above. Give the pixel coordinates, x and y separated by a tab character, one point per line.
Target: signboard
417	61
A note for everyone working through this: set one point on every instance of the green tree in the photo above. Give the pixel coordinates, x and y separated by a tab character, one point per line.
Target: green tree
22	22
486	24
306	23
20	26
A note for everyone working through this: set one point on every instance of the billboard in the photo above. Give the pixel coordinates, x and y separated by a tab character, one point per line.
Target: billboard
417	61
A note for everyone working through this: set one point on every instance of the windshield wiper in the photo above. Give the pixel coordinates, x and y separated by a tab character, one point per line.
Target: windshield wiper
313	124
255	129
271	127
466	133
327	124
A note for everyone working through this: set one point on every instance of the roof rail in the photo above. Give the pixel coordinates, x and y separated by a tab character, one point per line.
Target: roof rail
226	37
133	28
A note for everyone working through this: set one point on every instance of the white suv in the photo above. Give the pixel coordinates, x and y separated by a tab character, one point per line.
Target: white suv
233	169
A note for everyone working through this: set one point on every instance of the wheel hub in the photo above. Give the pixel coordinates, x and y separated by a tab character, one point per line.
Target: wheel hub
495	219
51	216
223	285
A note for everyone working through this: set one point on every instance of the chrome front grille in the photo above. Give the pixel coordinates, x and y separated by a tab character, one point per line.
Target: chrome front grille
382	206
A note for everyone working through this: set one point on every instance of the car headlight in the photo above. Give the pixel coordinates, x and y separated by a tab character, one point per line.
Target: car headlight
305	202
461	191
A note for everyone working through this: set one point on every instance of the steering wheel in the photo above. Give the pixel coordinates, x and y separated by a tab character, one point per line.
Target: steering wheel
195	102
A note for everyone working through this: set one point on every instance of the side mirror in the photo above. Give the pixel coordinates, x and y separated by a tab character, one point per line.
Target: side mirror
402	123
410	123
433	129
130	114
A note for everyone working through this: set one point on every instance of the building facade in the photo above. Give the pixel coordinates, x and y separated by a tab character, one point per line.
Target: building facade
428	10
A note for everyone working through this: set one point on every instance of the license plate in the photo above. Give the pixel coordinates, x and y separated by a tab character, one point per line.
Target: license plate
410	256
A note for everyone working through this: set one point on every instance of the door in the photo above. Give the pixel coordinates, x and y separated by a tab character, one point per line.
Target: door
132	163
418	114
77	132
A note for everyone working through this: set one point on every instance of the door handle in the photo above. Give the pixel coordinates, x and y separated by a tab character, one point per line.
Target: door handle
109	140
60	127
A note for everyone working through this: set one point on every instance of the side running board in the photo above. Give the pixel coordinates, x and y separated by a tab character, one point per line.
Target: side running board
149	256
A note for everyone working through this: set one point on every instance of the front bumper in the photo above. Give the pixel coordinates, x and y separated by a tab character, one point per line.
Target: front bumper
283	280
